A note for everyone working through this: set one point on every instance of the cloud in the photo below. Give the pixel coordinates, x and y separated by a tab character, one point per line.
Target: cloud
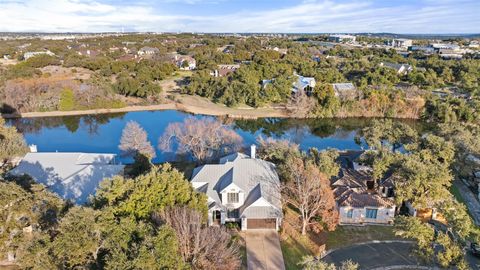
427	16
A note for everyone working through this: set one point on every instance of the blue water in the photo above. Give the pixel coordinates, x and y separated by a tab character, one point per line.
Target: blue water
101	133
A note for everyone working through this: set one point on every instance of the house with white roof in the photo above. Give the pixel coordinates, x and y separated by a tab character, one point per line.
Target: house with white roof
305	84
73	176
402	43
241	188
399	68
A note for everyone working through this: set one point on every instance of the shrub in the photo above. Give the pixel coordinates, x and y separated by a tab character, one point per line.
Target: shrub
67	100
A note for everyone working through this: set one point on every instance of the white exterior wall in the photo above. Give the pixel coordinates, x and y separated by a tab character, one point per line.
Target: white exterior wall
233	189
384	215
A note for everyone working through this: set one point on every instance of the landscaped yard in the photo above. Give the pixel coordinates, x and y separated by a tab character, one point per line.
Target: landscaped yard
293	251
347	235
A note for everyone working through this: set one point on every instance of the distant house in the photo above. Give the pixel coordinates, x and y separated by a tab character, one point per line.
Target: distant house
345	91
147	51
341	38
399	68
72	176
89	53
280	50
402	43
241	189
225	70
184	62
28	55
360	200
304	84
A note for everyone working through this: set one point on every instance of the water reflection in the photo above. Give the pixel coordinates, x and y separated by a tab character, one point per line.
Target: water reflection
101	133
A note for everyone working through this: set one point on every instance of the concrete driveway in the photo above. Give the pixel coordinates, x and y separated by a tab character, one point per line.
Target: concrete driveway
263	250
375	255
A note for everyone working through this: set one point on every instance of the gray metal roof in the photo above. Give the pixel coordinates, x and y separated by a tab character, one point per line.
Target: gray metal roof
256	177
72	176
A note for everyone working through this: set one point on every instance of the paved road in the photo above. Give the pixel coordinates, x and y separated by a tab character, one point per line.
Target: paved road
263	250
470	200
375	255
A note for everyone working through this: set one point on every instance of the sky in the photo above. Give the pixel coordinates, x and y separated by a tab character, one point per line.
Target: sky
242	16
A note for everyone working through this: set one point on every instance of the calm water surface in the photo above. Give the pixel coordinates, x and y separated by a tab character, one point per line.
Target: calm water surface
101	133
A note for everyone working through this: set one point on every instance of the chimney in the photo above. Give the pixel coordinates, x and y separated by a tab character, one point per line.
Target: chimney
33	148
253	151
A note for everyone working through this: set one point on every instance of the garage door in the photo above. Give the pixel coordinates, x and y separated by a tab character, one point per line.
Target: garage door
267	223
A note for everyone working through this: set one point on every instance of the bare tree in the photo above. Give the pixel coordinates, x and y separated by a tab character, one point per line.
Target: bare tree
300	105
308	190
202	246
134	140
205	139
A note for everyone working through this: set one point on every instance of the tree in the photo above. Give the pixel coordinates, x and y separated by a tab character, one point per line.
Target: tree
204	138
134	141
326	161
12	143
78	240
308	190
310	263
300	105
67	100
421	232
196	244
150	192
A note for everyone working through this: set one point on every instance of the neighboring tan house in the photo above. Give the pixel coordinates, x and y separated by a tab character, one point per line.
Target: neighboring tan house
360	200
225	70
345	91
305	84
73	176
241	189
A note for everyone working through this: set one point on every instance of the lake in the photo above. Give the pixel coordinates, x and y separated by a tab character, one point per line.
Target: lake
101	133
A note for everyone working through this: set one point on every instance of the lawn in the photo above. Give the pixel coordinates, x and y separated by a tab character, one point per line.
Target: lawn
294	246
348	235
293	251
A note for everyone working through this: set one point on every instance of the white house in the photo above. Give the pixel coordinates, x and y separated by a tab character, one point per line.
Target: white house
362	201
341	38
399	68
402	43
72	176
241	189
148	51
28	55
305	84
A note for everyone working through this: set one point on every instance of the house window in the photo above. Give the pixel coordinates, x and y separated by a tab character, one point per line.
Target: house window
371	213
350	213
233	213
232	197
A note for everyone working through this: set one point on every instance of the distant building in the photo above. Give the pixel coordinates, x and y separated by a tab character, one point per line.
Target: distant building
305	84
281	51
341	38
399	68
89	53
225	70
183	62
345	91
28	55
401	43
148	51
424	49
73	176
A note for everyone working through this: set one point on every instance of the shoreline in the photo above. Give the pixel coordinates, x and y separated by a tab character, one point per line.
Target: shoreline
228	112
216	110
